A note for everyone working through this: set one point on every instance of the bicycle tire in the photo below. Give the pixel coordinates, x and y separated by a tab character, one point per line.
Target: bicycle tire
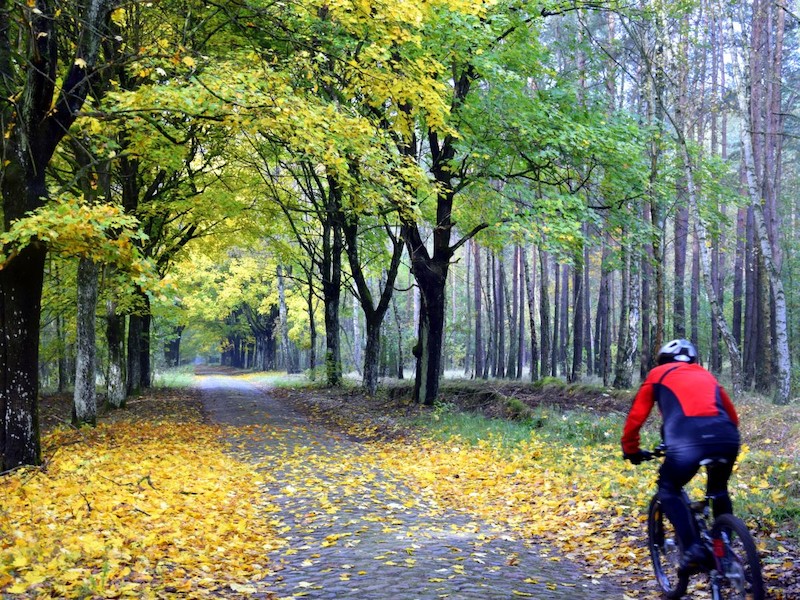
741	577
665	551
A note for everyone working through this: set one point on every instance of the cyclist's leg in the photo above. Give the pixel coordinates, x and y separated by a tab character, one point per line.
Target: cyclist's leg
676	471
717	486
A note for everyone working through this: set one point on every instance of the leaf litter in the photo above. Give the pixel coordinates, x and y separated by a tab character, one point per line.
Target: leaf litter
150	504
138	508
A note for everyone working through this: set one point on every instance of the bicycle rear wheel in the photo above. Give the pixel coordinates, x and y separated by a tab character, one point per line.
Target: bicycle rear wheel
740	578
665	551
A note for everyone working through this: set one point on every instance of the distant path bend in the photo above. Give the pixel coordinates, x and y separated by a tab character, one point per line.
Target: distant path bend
355	531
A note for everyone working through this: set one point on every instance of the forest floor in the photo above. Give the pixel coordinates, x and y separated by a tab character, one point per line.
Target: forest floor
330	494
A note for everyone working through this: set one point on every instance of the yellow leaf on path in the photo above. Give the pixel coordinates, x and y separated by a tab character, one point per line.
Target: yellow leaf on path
19	561
244	589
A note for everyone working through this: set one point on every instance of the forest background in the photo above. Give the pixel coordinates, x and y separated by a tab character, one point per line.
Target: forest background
495	189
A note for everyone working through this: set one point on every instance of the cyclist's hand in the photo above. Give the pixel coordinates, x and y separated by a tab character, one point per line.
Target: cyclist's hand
638	457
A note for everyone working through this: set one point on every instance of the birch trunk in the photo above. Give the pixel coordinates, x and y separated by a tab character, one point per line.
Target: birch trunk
779	296
705	262
530	285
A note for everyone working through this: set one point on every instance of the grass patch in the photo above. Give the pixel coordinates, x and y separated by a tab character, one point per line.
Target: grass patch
446	422
177	377
281	379
553	424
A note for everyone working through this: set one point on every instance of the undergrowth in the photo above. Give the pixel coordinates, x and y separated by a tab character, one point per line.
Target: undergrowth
765	485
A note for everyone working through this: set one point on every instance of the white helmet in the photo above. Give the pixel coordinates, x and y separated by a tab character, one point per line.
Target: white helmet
677	351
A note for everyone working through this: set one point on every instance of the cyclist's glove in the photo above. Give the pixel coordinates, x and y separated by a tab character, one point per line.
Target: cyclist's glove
638	457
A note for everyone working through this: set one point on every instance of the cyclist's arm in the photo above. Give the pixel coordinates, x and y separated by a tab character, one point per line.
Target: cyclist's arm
640	410
727	404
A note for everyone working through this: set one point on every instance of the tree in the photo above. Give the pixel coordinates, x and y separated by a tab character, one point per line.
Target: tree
34	123
373	312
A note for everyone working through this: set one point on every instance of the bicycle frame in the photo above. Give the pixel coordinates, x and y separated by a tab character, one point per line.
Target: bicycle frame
736	571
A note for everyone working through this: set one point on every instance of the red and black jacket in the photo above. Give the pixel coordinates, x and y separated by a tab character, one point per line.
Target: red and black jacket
695	409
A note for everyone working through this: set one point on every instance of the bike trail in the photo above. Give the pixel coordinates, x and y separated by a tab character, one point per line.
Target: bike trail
356	531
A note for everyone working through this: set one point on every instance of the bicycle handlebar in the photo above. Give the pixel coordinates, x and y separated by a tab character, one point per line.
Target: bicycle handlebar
656	452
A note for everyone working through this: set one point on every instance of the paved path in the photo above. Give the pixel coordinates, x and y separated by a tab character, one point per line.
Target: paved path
356	532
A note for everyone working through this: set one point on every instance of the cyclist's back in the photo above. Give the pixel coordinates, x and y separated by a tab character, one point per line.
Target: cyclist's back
695	409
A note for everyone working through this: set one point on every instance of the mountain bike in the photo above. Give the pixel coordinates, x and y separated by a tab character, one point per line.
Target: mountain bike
733	568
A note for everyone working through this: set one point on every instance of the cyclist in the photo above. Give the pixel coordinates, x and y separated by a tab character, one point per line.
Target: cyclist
699	421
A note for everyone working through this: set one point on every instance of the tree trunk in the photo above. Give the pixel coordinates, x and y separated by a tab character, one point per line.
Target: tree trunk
399	329
679	302
430	273
715	361
21	286
513	327
84	399
288	348
544	313
752	316
603	319
500	314
172	347
331	290
521	304
554	362
312	335
626	342
115	339
577	321
491	345
588	347
134	366
694	305
356	342
468	317
645	355
428	350
480	353
144	349
530	284
564	322
738	276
